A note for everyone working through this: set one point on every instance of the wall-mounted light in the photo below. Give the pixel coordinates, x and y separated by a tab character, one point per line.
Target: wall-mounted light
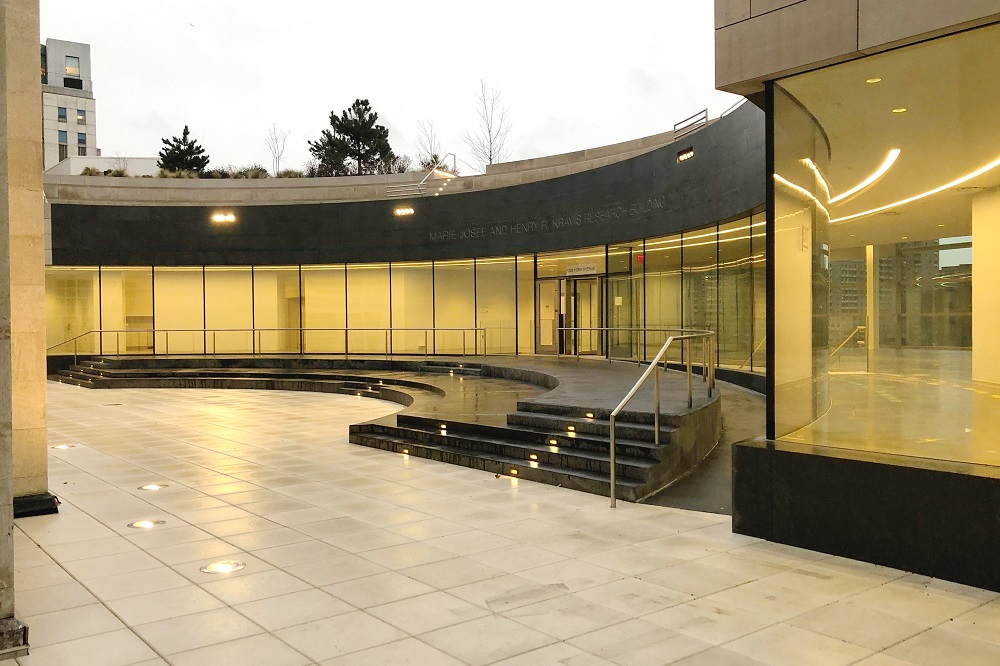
223	218
402	211
685	155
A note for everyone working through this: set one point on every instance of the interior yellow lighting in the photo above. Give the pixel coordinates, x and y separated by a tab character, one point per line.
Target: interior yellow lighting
923	195
533	464
590	415
552	441
571	428
554	449
406	450
890	159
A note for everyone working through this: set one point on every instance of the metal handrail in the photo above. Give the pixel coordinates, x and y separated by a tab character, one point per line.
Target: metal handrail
857	329
654	369
407	189
256	338
690	124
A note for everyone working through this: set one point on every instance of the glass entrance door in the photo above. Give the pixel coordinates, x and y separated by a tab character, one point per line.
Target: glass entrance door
570	303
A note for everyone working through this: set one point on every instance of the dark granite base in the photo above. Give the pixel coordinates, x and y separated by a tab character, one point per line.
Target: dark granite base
35	505
928	517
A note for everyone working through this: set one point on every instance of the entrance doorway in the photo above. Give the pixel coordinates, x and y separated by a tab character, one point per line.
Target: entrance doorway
569	303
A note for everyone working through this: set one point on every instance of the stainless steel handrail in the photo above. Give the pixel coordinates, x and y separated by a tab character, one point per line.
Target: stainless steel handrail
480	337
654	369
857	329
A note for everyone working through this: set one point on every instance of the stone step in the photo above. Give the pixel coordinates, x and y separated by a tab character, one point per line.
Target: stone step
528	453
590	426
63	379
591	482
638	449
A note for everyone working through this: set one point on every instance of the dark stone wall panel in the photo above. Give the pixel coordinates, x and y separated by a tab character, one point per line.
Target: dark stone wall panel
648	195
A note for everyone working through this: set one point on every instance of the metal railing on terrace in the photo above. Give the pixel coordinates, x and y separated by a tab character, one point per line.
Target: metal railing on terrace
340	341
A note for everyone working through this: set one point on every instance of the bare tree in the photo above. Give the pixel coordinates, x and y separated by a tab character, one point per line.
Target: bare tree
488	142
275	141
429	151
120	162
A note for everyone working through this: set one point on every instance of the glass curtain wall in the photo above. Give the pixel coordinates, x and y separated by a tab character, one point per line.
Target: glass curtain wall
277	309
708	278
455	307
229	311
412	307
127	310
887	233
324	309
496	303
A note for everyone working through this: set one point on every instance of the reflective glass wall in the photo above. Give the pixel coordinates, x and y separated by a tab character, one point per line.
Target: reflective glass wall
887	241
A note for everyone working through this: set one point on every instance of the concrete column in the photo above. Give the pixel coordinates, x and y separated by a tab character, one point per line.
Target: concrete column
22	291
985	278
872	327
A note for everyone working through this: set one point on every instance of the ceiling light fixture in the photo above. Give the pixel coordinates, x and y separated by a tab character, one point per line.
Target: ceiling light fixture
890	159
923	195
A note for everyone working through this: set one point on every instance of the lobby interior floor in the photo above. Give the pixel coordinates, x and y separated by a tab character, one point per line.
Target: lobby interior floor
358	556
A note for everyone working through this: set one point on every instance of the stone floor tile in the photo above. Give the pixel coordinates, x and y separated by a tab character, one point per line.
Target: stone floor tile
495	638
639	643
339	635
138	582
116	648
288	610
254	587
710	621
566	616
162	605
784	645
634	597
378	589
70	624
427	612
407	652
189	632
260	649
858	625
943	646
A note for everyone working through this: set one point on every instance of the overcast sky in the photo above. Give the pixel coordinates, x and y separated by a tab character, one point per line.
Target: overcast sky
572	76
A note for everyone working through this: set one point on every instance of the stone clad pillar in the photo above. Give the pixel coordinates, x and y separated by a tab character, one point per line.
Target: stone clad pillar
22	292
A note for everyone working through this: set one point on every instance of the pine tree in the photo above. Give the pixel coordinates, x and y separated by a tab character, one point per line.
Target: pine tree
183	154
355	146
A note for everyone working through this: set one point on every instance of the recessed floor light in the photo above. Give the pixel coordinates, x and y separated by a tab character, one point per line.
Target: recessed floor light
874	79
146	524
63	447
153	486
901	109
223	567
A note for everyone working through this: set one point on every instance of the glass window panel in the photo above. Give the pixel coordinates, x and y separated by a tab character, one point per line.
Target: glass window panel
526	304
885	252
63	136
412	307
495	303
61	113
735	336
368	313
662	259
81	138
625	301
229	310
179	310
584	261
127	310
72	66
277	309
81	116
455	307
324	309
72	308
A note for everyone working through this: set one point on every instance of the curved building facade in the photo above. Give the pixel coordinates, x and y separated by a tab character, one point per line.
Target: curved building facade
521	260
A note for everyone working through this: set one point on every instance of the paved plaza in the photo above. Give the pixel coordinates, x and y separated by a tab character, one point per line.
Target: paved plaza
358	556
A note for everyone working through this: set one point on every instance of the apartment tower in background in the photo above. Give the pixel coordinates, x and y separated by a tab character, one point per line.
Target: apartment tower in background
69	124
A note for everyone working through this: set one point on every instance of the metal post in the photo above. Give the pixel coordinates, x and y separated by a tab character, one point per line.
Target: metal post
74	351
704	359
687	355
118	345
215	344
167	350
463	342
711	368
388	333
612	459
656	414
426	348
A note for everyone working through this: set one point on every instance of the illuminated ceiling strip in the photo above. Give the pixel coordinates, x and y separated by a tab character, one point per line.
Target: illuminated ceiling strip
802	191
890	159
819	176
947	186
